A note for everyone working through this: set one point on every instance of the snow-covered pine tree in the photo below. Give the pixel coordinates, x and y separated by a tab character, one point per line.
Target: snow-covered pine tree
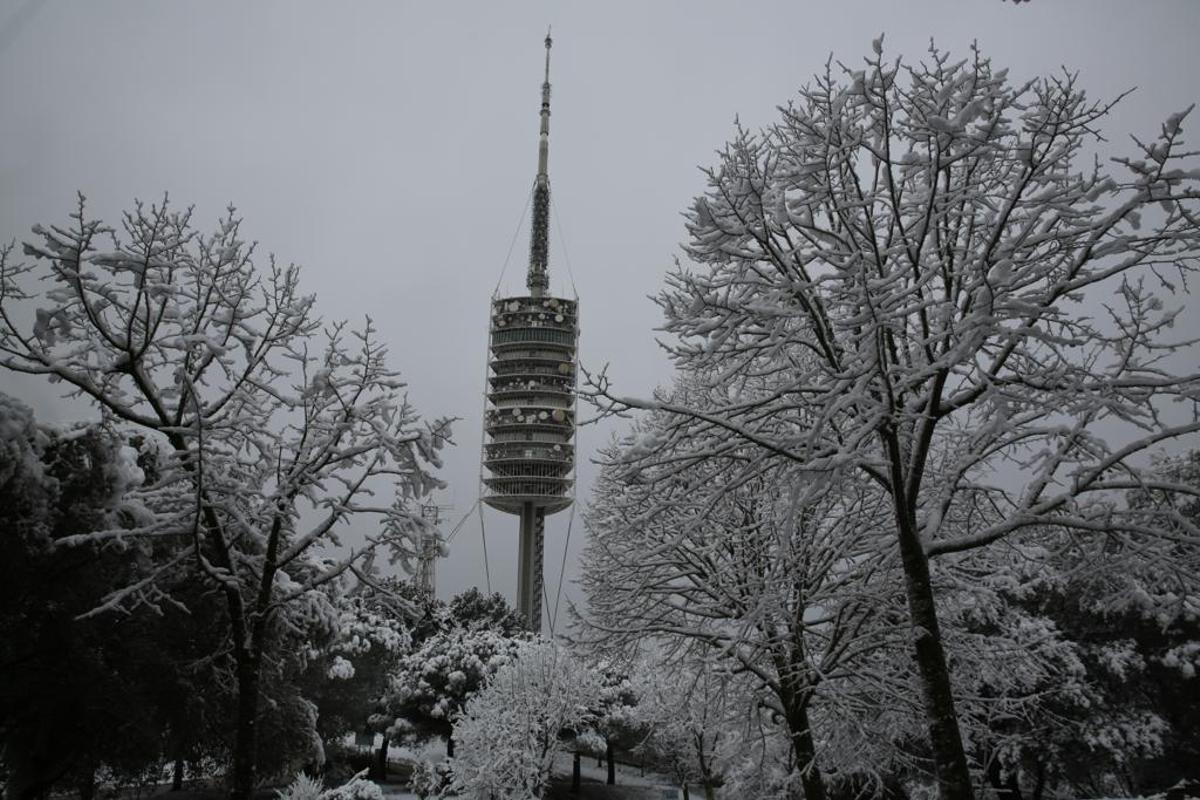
429	687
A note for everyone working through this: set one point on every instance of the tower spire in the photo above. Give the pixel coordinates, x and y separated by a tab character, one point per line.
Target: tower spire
539	245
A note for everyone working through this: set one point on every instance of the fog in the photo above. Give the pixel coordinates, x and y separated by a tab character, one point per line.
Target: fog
389	148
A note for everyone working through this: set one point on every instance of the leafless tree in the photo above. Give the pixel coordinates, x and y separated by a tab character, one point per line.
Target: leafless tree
778	576
910	253
265	448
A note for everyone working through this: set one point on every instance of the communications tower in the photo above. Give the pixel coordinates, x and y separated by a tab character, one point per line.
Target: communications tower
529	422
432	547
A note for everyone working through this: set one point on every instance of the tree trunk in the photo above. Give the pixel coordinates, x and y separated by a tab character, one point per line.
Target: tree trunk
1005	789
1039	784
87	785
892	788
575	777
612	766
686	796
805	749
381	760
949	758
28	792
177	775
450	746
246	735
247	649
710	791
35	779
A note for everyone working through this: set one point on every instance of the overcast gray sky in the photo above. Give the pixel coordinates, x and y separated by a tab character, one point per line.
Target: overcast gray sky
389	147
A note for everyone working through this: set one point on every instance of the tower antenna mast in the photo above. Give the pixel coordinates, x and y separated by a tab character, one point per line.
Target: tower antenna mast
539	245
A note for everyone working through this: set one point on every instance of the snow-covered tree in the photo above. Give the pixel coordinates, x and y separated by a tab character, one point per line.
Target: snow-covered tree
950	301
685	712
431	685
473	610
347	676
509	731
260	413
614	716
69	679
1126	610
65	684
780	576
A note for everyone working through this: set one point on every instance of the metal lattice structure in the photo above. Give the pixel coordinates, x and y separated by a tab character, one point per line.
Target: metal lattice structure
432	547
529	421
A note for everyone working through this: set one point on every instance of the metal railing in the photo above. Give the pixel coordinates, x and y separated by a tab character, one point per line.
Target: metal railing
498	453
515	336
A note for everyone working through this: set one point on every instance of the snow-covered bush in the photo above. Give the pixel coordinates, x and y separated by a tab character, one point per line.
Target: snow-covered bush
357	788
306	788
508	734
303	787
430	779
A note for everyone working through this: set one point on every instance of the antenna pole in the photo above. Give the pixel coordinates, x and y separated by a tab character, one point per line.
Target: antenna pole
539	245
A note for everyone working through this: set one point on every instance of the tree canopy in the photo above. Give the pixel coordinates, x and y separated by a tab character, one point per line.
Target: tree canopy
918	277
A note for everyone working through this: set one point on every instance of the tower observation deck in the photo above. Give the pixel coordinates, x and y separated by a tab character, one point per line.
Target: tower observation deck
529	421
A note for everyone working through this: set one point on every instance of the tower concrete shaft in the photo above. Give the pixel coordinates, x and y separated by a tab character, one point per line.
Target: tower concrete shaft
531	566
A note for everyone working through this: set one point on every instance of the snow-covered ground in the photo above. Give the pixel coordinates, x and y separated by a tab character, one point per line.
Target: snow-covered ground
648	785
392	793
626	776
